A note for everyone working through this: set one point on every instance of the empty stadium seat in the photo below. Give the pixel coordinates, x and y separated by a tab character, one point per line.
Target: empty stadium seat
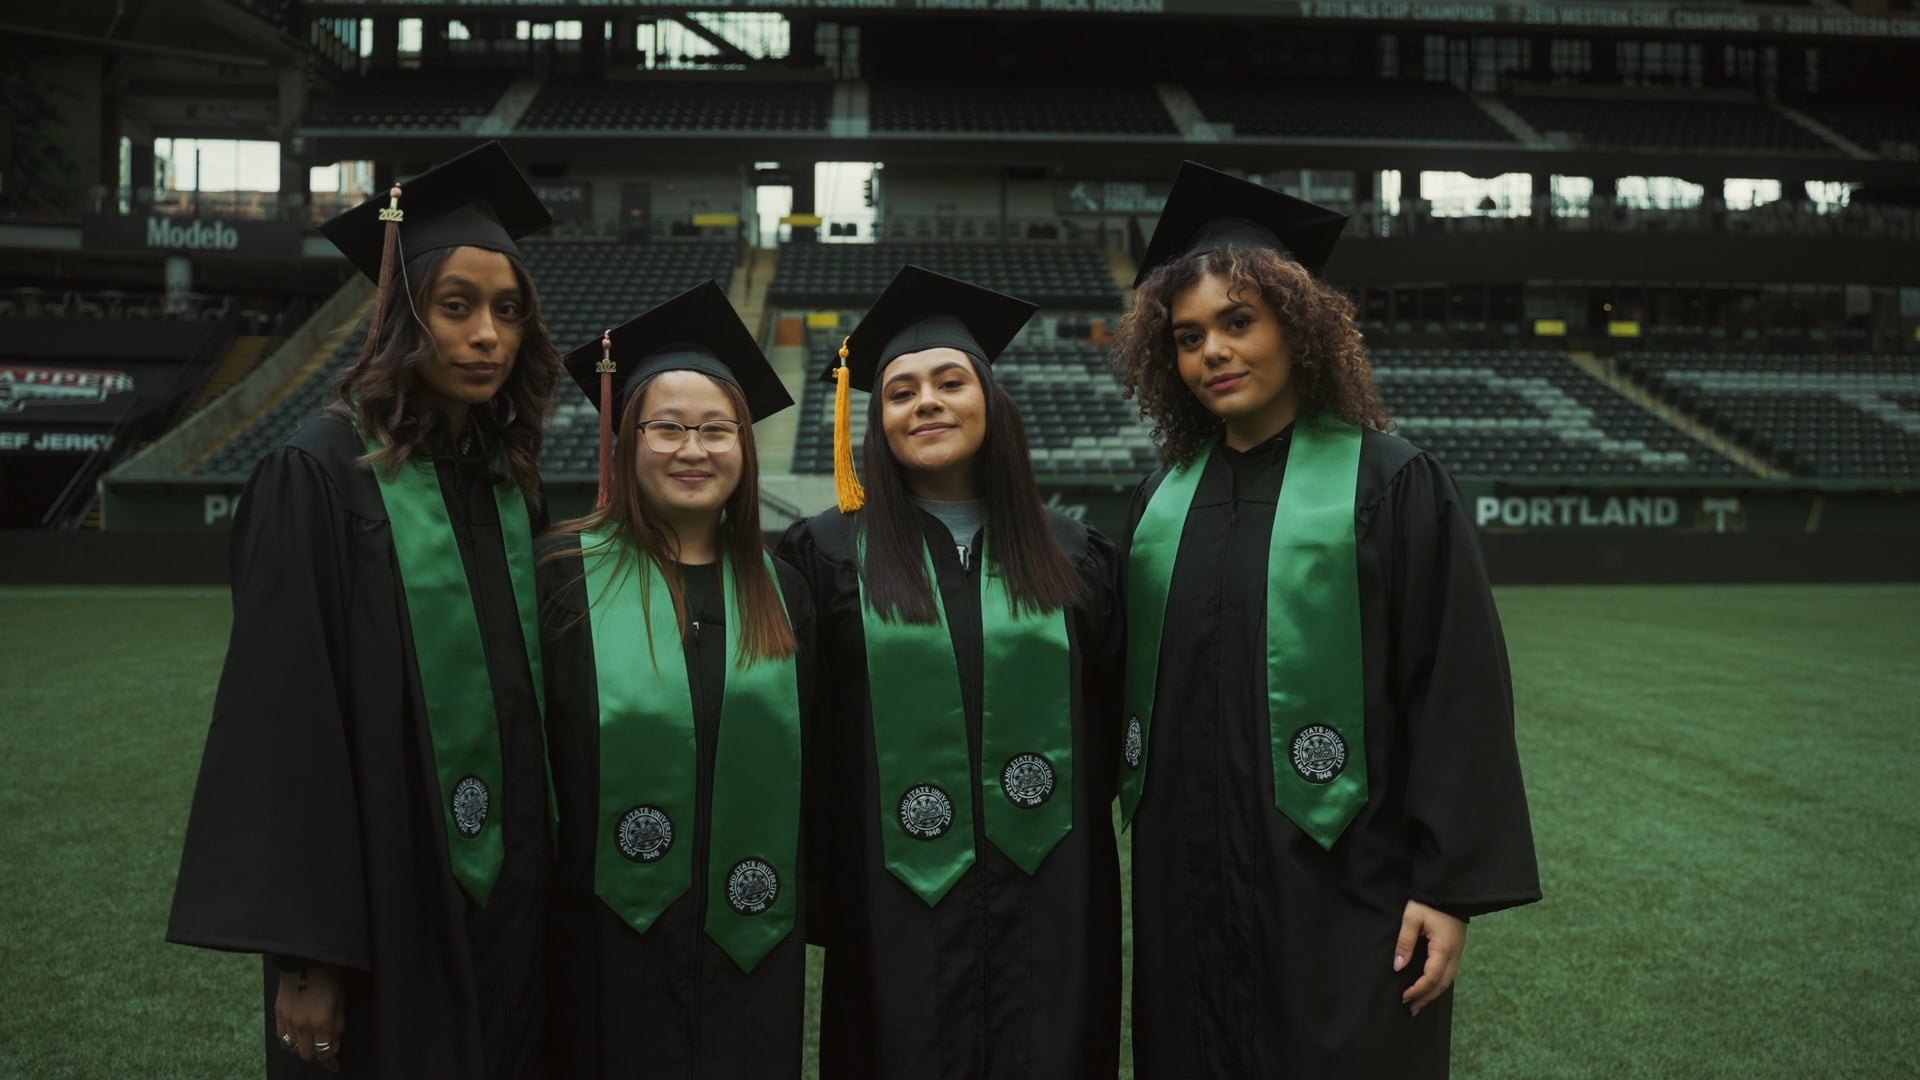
1830	416
702	105
1355	110
1511	412
1692	125
410	101
1067	108
851	275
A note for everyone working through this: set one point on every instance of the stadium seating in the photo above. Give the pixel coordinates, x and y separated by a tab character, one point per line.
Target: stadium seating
585	288
1359	110
1692	125
411	102
1814	415
1077	424
851	275
1510	412
1875	128
1077	108
590	104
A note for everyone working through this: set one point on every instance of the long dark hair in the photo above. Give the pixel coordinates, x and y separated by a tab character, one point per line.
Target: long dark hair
377	392
766	632
1038	573
1330	366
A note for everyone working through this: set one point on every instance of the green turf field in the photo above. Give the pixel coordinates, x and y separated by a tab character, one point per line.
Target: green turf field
1723	784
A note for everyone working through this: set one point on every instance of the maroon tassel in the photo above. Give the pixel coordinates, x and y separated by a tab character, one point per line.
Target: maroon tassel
605	368
389	266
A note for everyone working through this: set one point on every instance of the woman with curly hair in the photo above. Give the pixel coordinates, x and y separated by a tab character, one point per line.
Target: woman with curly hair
1319	763
372	811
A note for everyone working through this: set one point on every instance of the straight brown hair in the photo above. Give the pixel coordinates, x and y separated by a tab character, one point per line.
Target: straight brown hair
767	633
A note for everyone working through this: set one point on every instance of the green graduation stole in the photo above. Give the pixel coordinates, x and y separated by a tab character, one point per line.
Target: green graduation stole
452	658
649	764
920	735
1316	705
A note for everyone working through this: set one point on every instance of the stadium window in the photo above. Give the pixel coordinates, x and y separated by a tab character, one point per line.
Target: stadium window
410	35
1829	195
1748	194
1571	60
457	31
1493	58
1572	196
1657	192
1434	60
1389	67
840	195
1455	194
366	38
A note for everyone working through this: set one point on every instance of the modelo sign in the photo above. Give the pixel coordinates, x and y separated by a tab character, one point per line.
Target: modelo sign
156	232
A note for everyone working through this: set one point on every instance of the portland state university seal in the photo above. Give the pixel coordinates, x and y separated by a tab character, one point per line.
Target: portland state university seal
646	834
926	812
1319	753
1027	780
471	801
752	887
1136	744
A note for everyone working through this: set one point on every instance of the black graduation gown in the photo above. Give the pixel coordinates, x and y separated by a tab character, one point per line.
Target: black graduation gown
1256	952
1009	976
317	830
670	1002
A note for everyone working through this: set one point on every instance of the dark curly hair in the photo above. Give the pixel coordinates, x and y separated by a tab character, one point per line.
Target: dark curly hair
1330	367
376	394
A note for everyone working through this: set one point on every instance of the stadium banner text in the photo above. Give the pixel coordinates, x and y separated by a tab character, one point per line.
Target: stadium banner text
22	440
568	201
1676	18
1110	197
157	232
1501	508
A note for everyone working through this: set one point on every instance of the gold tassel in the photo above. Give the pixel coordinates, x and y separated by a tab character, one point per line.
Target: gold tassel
605	368
389	264
846	482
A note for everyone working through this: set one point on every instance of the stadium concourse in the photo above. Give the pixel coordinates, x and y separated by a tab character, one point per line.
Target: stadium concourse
1642	275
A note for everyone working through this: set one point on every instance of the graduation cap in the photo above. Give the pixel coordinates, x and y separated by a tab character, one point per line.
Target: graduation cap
478	199
919	310
695	331
1209	209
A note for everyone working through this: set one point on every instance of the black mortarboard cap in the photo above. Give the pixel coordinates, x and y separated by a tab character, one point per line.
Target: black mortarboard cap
919	310
923	310
695	331
478	199
1209	209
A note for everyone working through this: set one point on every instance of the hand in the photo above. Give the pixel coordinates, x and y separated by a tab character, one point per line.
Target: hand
311	1010
1446	940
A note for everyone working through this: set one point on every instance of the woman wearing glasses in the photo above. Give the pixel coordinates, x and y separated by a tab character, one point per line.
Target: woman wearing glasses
676	668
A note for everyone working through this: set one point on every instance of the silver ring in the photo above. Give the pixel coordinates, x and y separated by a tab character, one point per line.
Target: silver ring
322	1047
286	1041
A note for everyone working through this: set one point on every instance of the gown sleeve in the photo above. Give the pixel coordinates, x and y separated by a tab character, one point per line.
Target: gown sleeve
1451	688
796	551
272	860
1103	656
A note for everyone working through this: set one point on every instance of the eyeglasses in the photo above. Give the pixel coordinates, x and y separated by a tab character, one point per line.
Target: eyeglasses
668	436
